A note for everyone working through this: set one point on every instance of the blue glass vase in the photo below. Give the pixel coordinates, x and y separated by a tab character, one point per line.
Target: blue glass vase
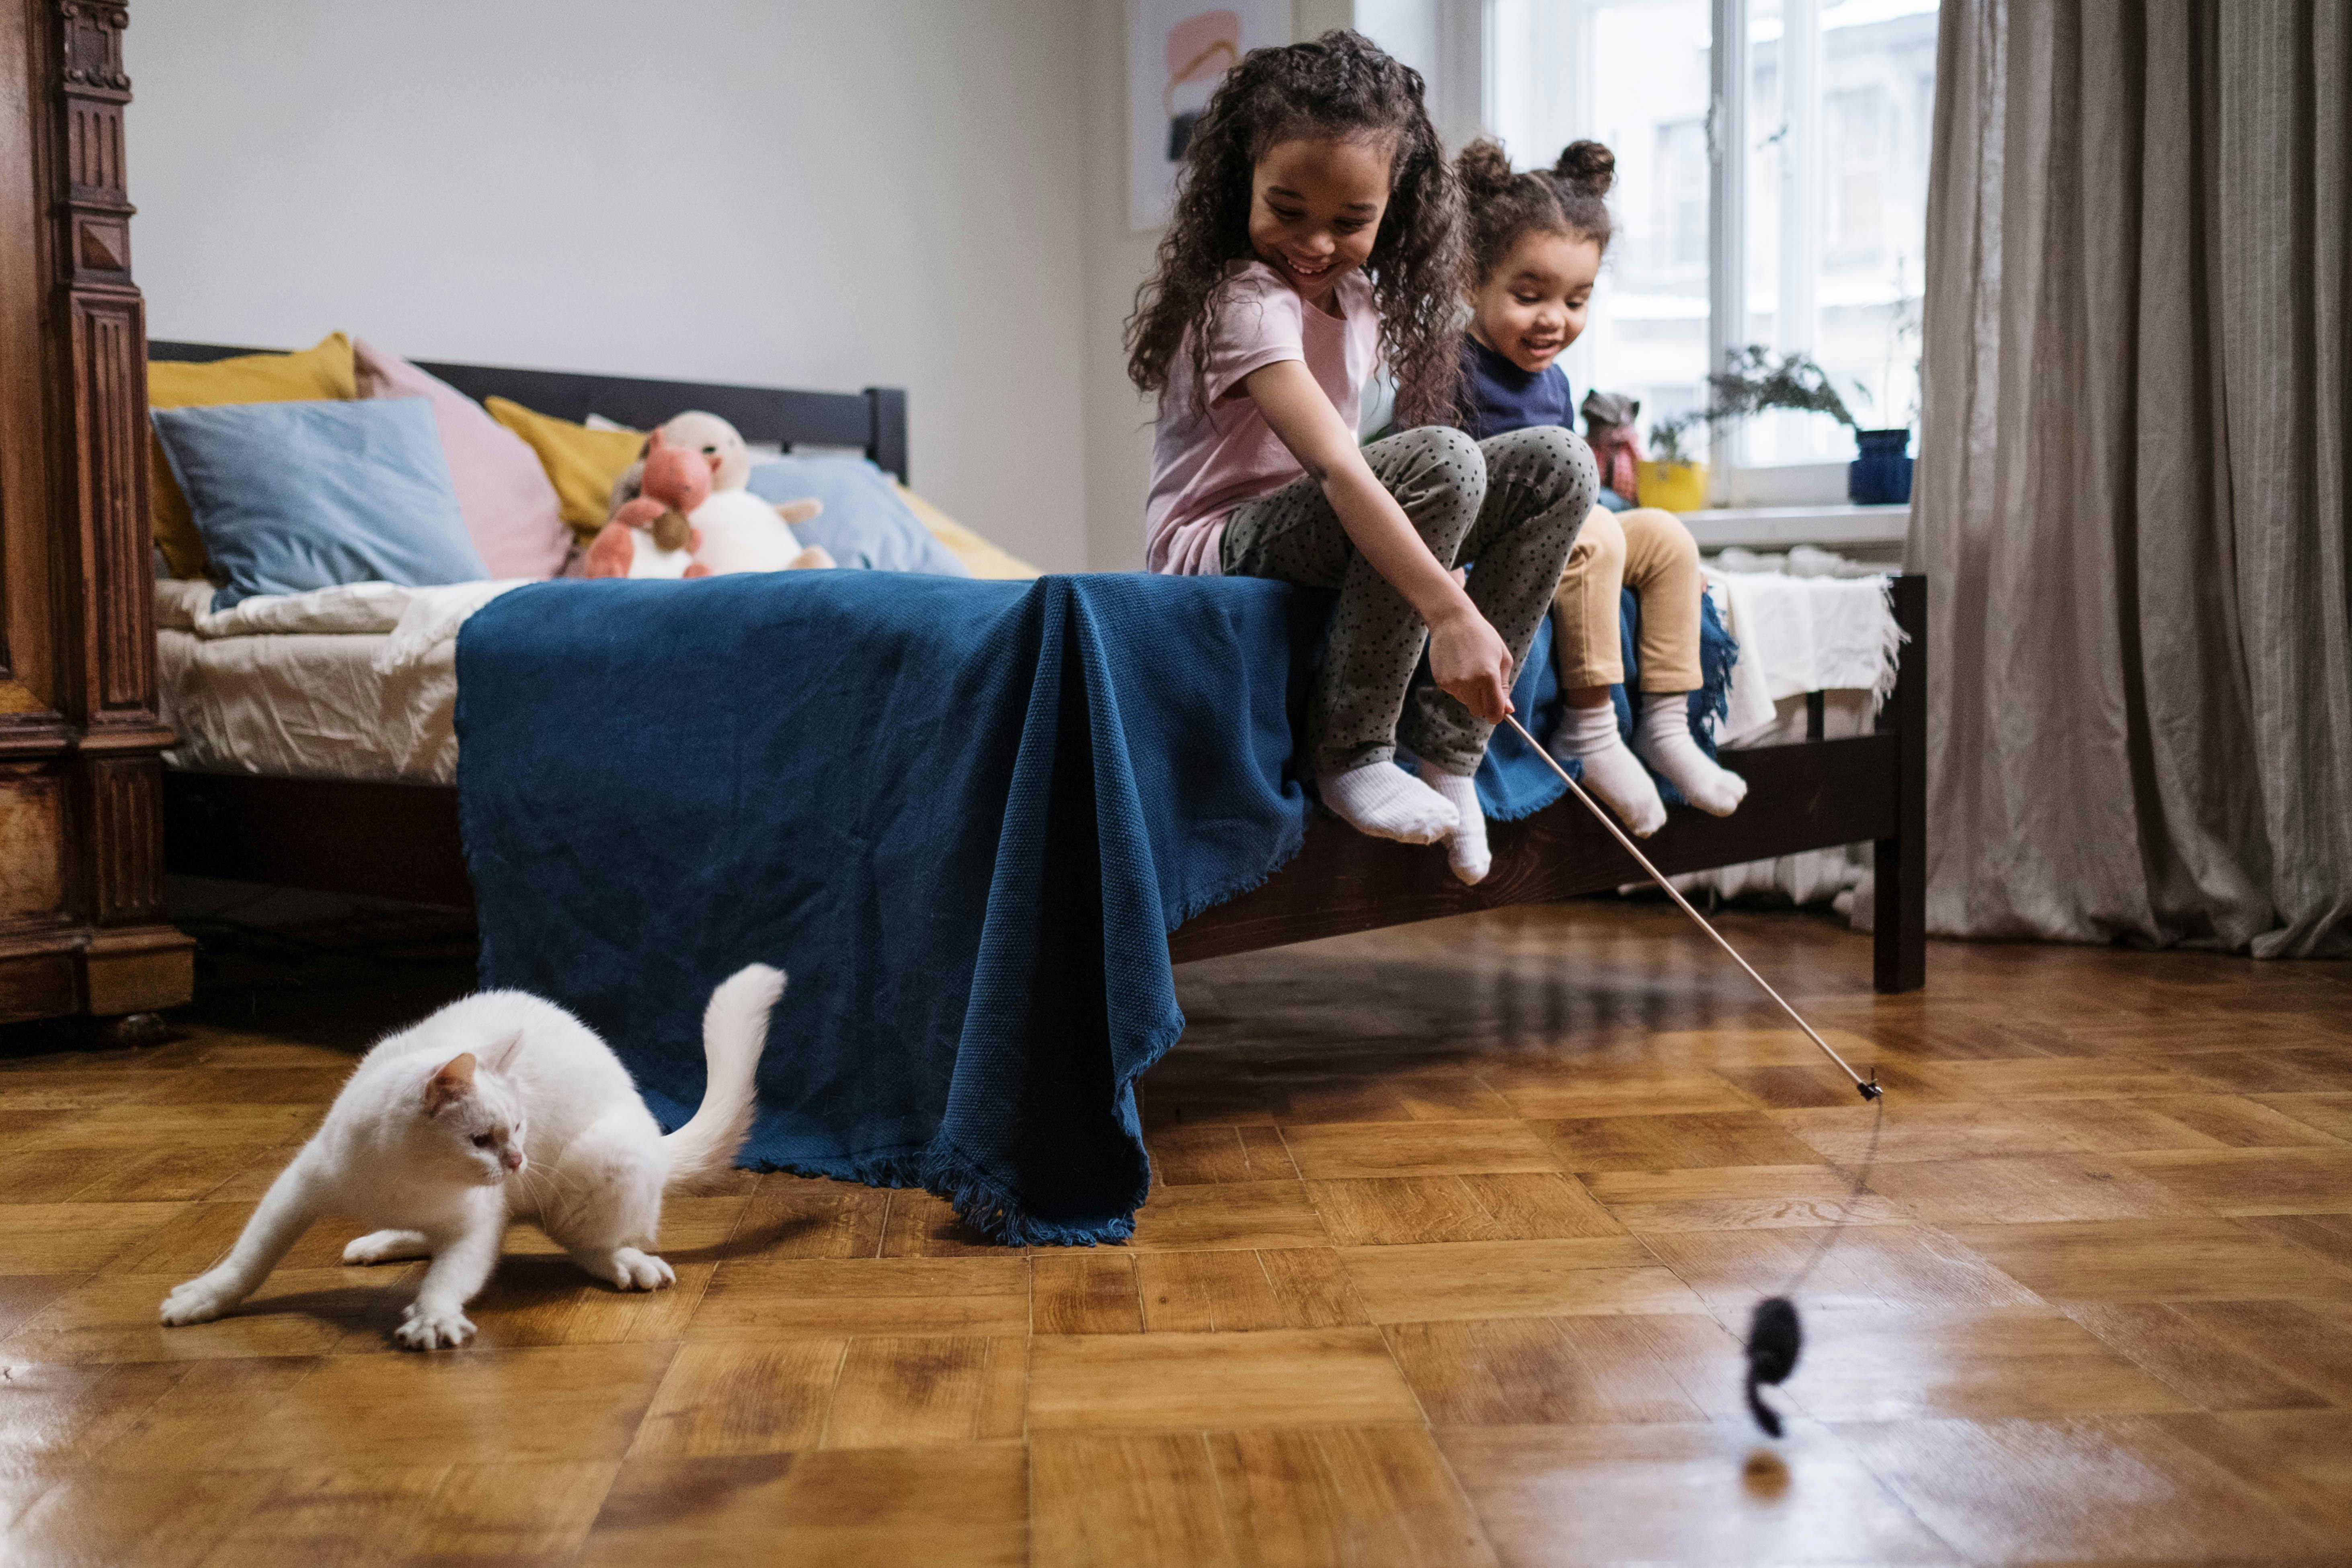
1881	476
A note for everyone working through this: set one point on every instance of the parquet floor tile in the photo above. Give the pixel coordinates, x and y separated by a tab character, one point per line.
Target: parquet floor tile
2253	1180
2088	1489
1237	1293
1416	1148
1739	1197
1453	1237
1545	1371
965	1506
1510	1206
1704	1495
1513	1279
760	1298
1877	1363
1832	1268
1238	1215
2029	1190
1181	1382
1673	1142
2155	1260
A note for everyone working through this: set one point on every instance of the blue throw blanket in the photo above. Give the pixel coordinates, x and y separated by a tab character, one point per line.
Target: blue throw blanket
962	815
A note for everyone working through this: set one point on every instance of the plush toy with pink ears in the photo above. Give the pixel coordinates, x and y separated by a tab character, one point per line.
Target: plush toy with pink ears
683	510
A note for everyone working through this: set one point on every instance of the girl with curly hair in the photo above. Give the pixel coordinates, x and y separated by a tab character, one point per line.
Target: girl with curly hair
1317	233
1536	242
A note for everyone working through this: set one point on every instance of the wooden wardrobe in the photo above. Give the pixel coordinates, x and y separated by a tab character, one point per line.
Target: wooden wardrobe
81	862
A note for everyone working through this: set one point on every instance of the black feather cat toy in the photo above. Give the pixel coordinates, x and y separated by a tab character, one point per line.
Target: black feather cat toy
1774	1340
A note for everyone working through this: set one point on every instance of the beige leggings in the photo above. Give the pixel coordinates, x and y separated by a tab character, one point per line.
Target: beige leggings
1650	551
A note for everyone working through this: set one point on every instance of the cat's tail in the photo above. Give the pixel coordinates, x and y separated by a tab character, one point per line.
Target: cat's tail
734	1032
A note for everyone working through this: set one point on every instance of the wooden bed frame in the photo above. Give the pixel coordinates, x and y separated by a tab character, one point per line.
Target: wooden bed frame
401	841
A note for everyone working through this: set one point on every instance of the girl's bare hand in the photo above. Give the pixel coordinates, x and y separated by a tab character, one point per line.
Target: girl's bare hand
1469	663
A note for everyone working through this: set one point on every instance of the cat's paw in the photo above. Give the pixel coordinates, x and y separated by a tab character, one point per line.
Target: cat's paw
433	1328
386	1246
200	1300
635	1270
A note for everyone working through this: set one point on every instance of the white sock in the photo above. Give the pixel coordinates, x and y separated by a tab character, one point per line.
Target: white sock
1663	739
1466	851
1588	735
1386	801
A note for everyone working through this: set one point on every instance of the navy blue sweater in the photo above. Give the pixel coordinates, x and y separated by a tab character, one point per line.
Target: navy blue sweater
1504	397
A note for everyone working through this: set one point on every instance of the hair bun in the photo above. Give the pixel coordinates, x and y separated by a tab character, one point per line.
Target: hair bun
1483	168
1588	166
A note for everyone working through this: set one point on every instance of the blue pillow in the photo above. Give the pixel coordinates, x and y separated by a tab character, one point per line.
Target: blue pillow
863	522
295	495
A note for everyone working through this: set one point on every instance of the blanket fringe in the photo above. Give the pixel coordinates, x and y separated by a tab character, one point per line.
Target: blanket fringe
990	1210
978	1199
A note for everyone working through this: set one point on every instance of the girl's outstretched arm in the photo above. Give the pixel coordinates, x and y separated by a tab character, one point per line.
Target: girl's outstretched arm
1466	656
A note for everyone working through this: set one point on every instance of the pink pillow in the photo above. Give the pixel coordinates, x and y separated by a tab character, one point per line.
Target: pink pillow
510	508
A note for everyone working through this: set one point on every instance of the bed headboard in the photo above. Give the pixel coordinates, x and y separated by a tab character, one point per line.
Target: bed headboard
874	420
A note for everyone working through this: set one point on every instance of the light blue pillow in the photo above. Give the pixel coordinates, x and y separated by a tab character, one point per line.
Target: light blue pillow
295	495
863	522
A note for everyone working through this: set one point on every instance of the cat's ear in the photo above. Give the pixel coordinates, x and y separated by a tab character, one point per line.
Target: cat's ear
501	1055
451	1084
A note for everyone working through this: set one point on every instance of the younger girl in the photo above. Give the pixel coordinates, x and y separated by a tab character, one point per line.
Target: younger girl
1537	241
1316	233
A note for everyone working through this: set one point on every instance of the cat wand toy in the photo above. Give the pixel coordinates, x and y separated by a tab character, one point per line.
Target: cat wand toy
1774	1336
1869	1089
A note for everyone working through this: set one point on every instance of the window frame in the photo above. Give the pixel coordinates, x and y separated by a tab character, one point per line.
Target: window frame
1732	481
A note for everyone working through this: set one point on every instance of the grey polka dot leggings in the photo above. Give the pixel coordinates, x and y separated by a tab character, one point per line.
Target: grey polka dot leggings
1511	504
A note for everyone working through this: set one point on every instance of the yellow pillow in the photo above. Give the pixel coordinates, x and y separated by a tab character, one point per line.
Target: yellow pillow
984	559
581	463
319	373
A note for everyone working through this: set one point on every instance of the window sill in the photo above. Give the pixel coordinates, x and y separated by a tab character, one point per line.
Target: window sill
1779	527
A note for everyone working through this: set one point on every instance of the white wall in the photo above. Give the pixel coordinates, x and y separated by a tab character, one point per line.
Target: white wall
797	192
1118	418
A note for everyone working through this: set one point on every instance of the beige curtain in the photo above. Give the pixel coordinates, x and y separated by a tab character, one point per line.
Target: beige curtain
2131	491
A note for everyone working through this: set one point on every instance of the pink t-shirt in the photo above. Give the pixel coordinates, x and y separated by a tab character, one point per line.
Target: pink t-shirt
1205	461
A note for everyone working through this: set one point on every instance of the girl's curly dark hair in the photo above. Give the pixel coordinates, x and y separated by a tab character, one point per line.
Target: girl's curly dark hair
1339	86
1568	198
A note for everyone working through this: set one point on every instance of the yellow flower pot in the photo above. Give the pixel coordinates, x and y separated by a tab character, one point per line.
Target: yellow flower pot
1677	487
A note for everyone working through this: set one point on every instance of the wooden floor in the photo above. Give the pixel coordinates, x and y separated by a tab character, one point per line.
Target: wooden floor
1457	1233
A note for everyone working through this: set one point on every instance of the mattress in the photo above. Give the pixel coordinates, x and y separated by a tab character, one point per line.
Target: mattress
346	683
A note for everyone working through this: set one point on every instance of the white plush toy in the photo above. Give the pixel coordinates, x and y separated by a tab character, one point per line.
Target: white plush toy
665	523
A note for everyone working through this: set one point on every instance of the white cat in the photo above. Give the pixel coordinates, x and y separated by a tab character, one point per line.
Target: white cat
500	1106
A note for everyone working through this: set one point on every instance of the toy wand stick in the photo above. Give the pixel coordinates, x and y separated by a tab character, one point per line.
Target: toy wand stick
1870	1091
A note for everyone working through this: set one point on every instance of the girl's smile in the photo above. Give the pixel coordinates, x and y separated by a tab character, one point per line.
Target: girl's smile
1315	209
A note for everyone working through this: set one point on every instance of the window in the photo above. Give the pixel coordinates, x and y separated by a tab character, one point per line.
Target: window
1829	172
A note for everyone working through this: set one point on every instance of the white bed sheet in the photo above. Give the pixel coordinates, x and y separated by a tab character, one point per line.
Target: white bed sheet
307	705
357	682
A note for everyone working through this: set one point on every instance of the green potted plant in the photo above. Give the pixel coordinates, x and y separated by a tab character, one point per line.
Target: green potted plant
1750	382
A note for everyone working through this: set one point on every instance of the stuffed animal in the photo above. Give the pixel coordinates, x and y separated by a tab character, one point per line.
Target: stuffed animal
1616	445
650	534
670	525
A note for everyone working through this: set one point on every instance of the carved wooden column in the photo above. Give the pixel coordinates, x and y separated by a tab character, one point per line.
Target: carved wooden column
81	916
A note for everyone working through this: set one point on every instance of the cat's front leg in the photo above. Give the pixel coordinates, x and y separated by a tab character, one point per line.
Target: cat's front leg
461	1265
387	1247
284	1213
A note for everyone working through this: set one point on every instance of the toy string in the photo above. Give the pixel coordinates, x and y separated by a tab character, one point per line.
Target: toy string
1869	1089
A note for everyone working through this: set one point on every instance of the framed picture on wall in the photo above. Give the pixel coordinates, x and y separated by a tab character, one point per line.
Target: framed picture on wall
1177	53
